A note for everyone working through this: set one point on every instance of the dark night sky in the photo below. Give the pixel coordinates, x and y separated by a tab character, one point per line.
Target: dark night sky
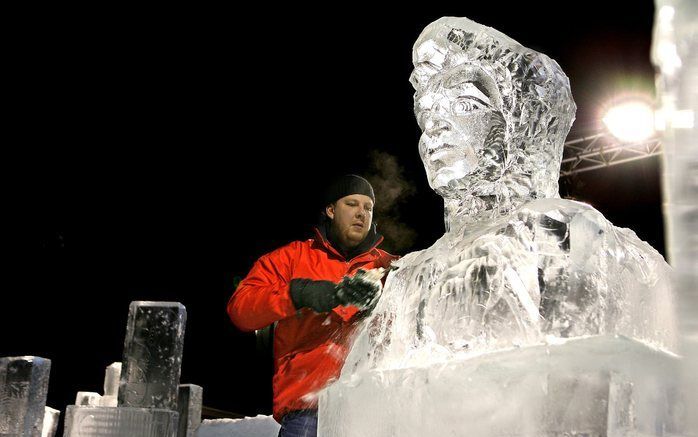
157	154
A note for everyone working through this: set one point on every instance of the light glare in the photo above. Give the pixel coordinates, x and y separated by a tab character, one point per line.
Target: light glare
630	121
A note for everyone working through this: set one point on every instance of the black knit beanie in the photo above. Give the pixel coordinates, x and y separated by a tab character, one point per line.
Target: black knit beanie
347	185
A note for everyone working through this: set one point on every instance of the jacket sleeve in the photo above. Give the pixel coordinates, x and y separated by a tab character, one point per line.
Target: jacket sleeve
263	296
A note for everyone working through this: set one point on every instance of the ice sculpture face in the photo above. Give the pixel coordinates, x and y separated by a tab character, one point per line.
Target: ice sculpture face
462	127
494	114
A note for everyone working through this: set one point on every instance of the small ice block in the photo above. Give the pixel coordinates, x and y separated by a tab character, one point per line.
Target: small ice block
51	416
189	407
112	374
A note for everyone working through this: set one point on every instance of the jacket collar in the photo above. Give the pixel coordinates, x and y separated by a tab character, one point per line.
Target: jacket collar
372	240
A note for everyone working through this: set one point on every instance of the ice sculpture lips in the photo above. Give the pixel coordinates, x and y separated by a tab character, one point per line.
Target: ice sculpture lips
438	153
441	156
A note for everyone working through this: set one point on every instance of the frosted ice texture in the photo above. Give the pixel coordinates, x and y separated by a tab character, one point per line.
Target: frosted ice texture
152	355
112	374
675	53
627	389
119	422
189	406
517	264
88	398
51	417
257	426
23	389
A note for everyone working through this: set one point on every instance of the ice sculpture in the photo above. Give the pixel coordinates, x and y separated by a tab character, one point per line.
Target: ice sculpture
23	389
489	325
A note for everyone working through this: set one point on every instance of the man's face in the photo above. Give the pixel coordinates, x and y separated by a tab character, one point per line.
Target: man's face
462	139
351	218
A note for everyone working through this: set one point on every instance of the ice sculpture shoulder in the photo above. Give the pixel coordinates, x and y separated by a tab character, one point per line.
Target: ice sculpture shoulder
517	265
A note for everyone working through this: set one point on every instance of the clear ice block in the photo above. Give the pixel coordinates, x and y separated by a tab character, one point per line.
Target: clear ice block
189	407
23	389
152	355
119	422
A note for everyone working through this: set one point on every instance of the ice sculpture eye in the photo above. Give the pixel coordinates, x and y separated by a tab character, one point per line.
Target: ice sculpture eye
464	105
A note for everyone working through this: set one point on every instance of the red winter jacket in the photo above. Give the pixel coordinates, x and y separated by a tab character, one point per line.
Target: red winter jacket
309	347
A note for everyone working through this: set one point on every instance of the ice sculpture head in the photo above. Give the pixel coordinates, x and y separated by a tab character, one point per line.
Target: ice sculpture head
494	114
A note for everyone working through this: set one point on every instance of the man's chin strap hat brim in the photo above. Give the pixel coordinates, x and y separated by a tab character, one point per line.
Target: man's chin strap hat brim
347	185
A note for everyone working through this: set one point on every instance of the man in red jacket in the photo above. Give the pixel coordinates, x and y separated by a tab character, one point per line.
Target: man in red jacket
316	293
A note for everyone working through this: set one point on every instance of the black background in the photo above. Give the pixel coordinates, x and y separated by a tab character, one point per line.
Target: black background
155	154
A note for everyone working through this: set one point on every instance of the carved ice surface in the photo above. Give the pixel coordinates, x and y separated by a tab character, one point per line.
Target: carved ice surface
517	265
152	355
494	117
119	422
23	389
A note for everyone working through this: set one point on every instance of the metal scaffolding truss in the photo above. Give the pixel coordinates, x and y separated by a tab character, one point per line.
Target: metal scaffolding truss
603	150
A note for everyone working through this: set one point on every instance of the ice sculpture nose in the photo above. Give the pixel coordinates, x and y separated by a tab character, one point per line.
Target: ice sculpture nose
436	126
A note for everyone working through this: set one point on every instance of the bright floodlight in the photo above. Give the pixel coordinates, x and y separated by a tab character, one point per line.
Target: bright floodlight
630	121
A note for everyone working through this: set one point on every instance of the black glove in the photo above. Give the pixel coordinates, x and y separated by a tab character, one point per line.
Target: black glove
359	291
320	296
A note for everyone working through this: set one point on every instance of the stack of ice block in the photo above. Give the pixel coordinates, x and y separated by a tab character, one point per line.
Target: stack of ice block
595	386
148	386
23	389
